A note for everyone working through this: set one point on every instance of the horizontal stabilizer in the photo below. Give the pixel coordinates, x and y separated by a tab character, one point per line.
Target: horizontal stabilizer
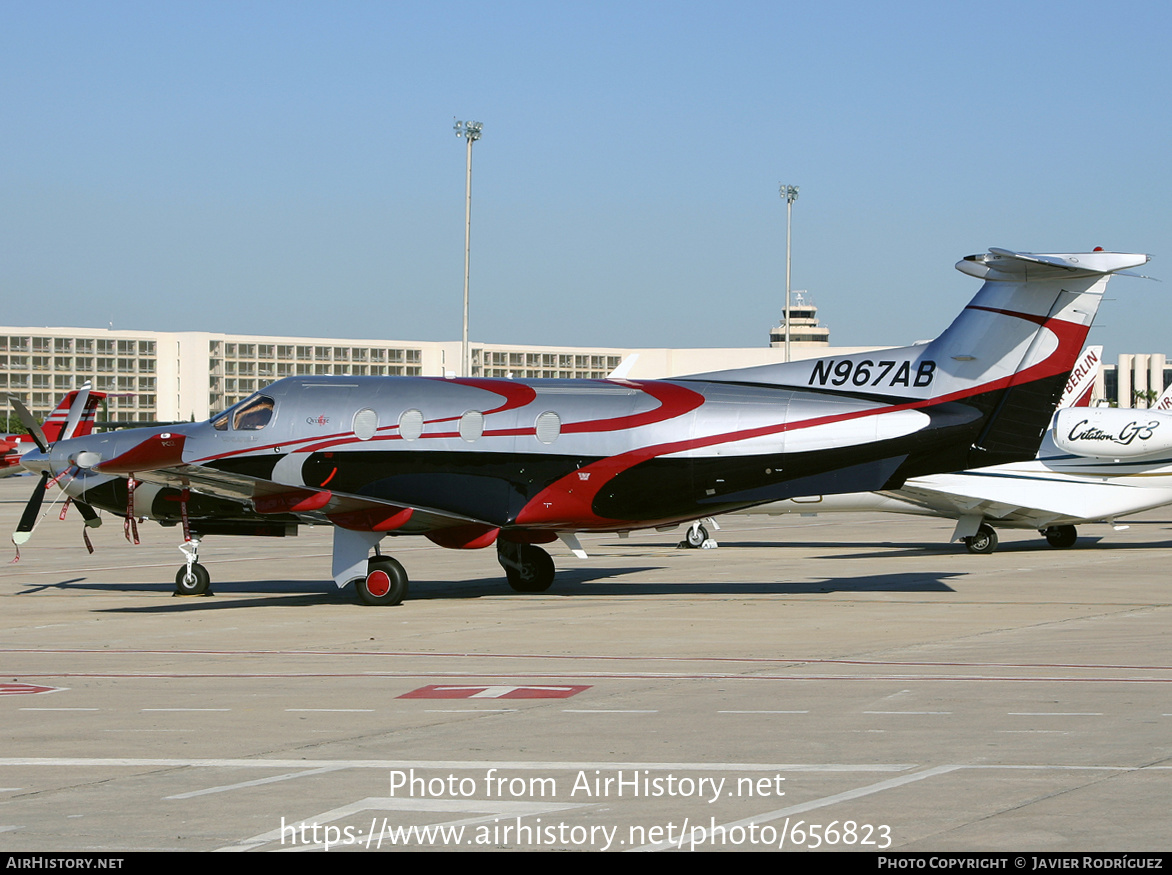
1018	265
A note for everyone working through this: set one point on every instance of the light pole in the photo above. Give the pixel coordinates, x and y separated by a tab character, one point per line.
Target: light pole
470	131
790	193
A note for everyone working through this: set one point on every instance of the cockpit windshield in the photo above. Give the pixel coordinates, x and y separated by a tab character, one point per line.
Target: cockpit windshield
252	414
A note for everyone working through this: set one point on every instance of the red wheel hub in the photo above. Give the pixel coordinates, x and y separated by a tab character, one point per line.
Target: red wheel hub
378	583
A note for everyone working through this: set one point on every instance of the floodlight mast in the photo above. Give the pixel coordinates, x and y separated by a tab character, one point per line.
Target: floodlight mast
470	131
790	193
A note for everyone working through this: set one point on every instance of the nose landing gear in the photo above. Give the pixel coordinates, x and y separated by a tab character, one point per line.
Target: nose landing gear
192	578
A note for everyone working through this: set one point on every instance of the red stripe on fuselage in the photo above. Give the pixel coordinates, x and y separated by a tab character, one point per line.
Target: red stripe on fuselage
515	394
572	497
673	401
567	503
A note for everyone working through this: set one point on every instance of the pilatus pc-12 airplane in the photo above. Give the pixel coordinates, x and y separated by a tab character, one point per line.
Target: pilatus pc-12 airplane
471	462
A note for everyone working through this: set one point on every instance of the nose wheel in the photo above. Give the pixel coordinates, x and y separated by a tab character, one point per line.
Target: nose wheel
192	581
192	578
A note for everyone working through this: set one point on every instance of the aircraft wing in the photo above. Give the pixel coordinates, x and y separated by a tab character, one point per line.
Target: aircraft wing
955	500
1032	495
266	498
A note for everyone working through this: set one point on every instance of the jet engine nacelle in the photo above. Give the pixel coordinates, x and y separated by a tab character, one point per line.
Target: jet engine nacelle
1112	433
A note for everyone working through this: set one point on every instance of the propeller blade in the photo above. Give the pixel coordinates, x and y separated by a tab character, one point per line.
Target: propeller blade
88	513
76	409
27	420
28	520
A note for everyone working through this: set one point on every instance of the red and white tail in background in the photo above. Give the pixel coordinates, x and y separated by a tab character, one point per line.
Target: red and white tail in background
74	416
1082	379
1164	402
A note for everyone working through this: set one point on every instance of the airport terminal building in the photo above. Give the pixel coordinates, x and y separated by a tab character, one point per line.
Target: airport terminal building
177	376
157	376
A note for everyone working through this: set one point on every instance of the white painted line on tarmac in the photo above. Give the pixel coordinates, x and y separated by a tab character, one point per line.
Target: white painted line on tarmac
185	709
907	712
607	711
476	765
260	782
489	810
1055	713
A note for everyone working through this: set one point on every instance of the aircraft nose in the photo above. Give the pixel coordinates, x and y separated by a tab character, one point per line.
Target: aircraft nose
36	461
55	459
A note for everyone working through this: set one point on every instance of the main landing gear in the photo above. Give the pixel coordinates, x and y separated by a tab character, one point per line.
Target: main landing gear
528	568
1062	537
385	582
984	541
192	578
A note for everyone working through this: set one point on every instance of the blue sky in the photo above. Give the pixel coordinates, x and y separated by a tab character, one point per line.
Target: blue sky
290	168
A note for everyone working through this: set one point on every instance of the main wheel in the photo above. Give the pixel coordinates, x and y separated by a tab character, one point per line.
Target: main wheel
984	541
696	536
534	571
385	582
1062	537
195	582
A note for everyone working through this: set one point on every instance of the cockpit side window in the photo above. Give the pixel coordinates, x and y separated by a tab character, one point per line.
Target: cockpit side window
252	415
220	423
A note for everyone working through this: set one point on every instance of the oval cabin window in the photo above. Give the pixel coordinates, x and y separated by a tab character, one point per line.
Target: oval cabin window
472	425
411	424
365	424
549	426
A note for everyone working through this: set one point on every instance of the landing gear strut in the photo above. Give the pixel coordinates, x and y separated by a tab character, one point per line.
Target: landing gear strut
527	568
385	582
192	578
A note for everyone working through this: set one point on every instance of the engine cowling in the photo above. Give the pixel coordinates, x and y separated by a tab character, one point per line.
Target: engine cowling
1112	433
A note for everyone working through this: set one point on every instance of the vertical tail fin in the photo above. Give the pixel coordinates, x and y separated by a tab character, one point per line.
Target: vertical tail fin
1082	379
1031	316
1008	354
1164	402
